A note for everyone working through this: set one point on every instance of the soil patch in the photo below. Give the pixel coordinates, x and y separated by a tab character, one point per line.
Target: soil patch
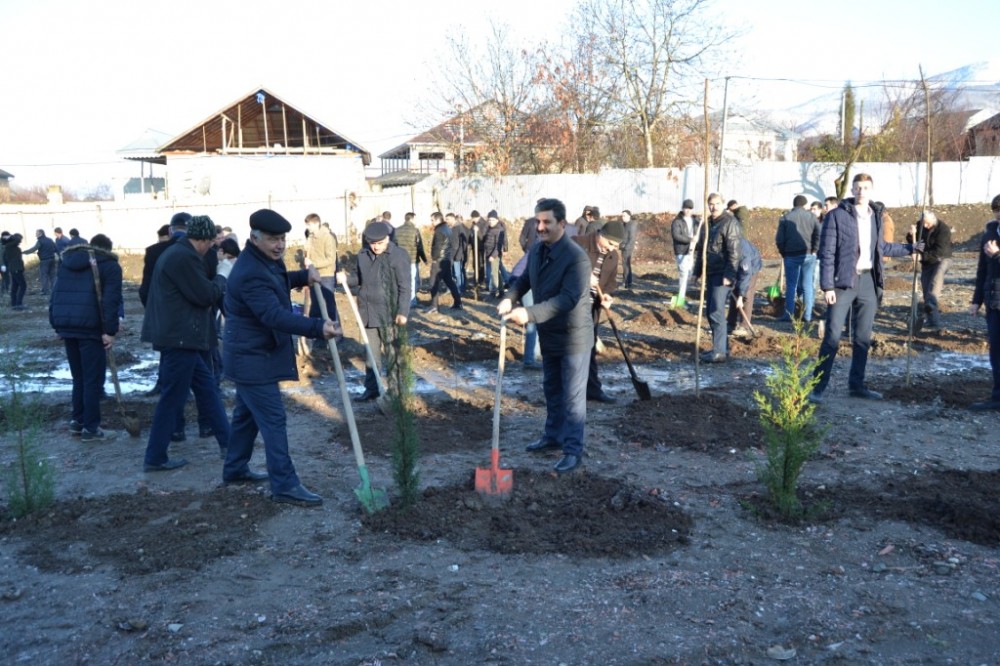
707	423
581	514
451	425
143	532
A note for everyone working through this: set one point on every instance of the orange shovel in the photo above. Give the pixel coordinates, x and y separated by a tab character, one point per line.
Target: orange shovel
493	480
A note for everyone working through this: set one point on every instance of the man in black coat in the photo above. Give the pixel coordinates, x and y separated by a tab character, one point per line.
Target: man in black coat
382	277
558	274
444	246
178	322
722	244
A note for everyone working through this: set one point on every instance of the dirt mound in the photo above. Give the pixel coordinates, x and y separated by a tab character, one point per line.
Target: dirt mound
459	350
707	423
443	427
582	515
142	533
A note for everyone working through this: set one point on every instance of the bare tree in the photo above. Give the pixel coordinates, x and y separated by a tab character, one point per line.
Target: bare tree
655	47
487	87
580	90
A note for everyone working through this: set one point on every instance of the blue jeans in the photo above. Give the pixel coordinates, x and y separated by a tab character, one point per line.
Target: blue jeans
861	304
564	382
259	409
47	275
87	361
458	274
718	297
181	371
800	270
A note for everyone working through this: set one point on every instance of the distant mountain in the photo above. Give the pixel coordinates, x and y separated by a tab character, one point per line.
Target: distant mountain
976	88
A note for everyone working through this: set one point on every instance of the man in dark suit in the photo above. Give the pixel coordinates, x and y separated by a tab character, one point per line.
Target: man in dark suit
558	274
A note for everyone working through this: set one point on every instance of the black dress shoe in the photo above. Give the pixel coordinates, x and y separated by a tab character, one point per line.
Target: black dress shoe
205	432
247	476
602	397
567	463
176	463
297	495
985	406
865	394
178	436
713	358
367	395
543	444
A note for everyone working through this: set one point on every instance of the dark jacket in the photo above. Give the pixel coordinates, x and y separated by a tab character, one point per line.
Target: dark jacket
988	271
440	242
179	308
73	309
257	345
408	238
45	247
494	241
839	249
937	243
798	233
458	239
62	243
153	253
378	276
560	284
608	278
631	236
679	233
12	258
750	265
724	236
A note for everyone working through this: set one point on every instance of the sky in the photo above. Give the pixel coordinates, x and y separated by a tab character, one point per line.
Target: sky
82	80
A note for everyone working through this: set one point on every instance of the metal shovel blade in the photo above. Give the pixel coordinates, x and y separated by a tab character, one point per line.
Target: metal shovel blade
494	480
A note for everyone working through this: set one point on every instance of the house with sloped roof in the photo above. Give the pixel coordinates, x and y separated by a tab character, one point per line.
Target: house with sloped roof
258	146
443	149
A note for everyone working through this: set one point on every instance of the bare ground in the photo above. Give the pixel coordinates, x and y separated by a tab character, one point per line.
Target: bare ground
662	551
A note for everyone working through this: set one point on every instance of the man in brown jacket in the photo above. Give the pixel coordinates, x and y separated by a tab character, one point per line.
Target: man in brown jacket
602	248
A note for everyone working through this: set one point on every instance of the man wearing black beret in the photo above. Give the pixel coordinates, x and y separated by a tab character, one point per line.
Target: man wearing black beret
382	278
258	354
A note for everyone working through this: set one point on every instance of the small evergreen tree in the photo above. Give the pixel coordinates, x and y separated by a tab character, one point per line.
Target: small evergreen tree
788	418
30	480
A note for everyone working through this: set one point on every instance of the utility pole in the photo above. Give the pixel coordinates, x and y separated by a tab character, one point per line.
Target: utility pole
722	135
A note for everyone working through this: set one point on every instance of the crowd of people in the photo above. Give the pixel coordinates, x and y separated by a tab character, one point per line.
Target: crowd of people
215	311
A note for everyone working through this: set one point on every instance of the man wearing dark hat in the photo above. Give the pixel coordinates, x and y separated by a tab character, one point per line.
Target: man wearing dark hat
558	274
179	324
258	354
382	279
602	250
682	231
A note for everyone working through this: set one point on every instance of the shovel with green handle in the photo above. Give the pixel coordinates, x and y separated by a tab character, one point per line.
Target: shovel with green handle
372	499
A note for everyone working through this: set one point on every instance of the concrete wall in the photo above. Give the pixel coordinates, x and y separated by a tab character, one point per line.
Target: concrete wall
299	189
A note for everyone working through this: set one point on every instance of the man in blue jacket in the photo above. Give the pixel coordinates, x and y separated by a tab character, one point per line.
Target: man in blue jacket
558	275
46	249
852	277
257	354
87	326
